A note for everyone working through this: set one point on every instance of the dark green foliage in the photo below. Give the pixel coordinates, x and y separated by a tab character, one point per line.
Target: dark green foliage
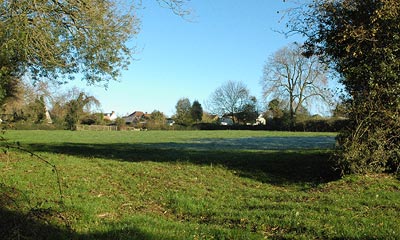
75	109
90	119
55	40
38	109
361	41
248	113
8	86
196	111
52	37
183	114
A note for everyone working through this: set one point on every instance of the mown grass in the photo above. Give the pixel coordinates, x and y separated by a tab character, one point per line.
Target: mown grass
150	185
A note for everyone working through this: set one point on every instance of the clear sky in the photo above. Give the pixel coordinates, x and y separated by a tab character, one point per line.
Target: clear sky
225	40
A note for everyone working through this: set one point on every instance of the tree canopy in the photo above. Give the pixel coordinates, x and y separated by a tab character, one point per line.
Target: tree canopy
298	80
57	39
183	112
229	99
196	111
361	40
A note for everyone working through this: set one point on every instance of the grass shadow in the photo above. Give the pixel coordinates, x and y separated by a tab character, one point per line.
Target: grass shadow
40	223
279	167
16	225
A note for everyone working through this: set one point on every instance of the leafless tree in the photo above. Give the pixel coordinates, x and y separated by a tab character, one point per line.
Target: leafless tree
179	7
230	98
301	81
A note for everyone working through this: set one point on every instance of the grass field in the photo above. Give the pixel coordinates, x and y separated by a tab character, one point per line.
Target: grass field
189	185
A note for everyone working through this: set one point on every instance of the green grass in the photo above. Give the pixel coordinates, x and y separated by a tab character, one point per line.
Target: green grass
154	185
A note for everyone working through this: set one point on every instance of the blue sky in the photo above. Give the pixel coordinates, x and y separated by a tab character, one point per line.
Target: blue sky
225	40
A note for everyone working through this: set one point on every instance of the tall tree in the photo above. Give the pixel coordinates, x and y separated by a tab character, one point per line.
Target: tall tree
249	112
157	120
229	99
182	115
49	38
296	79
37	110
56	39
75	109
361	40
196	111
276	108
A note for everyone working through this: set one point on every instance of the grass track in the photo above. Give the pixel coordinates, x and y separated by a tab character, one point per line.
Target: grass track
137	185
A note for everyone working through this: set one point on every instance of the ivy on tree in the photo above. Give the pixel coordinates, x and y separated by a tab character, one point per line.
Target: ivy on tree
360	39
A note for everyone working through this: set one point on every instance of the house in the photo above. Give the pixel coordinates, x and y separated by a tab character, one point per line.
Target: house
260	120
170	121
136	117
110	116
226	121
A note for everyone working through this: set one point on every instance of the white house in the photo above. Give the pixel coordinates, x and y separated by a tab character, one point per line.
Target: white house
260	120
110	116
226	121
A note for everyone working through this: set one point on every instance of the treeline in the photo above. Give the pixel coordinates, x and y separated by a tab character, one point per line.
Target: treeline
311	125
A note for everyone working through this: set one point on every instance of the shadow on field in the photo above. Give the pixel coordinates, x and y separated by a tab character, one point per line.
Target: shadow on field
275	167
15	225
47	224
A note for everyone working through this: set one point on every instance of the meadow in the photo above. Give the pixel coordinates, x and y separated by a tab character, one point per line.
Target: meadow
188	185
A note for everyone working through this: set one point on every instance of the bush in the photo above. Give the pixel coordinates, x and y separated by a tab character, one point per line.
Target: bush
34	126
371	145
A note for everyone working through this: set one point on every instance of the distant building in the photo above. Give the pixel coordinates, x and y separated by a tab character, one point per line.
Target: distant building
110	116
260	120
226	121
170	122
136	117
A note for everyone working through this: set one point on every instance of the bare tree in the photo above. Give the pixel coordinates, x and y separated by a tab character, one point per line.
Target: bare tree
230	98
301	81
177	6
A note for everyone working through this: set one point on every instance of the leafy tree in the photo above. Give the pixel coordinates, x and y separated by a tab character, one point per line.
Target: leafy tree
38	109
58	112
230	99
299	80
75	109
209	118
9	88
340	110
49	38
196	111
120	123
248	113
183	112
28	102
93	119
361	40
56	39
157	120
276	108
15	103
157	116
